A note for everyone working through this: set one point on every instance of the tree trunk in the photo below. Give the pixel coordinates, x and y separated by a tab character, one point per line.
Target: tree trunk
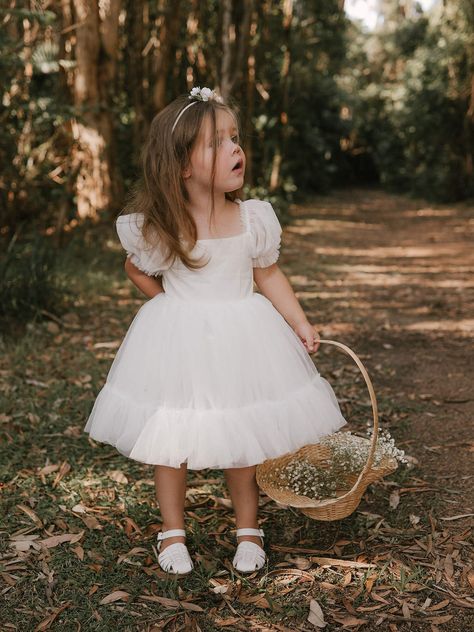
64	13
235	44
468	11
137	22
275	176
165	53
228	34
250	99
98	186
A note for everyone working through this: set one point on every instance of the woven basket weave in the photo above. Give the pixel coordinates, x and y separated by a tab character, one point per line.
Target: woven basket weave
269	477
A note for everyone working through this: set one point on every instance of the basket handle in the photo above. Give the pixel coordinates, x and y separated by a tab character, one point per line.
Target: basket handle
373	444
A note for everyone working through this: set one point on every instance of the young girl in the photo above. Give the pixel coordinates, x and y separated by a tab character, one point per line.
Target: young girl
210	373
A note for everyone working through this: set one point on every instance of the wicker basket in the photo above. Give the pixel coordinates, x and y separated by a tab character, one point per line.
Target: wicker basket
352	488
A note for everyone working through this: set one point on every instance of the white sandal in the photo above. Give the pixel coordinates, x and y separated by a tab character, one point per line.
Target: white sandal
174	558
249	556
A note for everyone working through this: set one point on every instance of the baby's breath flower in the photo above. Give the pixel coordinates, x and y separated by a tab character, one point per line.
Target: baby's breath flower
349	456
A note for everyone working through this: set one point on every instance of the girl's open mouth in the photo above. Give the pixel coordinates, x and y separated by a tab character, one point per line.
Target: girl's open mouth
238	166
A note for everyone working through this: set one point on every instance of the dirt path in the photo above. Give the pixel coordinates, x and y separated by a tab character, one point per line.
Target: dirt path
393	278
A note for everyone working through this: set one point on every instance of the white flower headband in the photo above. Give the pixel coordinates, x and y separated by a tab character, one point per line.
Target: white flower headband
198	94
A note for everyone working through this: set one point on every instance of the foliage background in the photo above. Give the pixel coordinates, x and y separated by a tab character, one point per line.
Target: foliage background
324	103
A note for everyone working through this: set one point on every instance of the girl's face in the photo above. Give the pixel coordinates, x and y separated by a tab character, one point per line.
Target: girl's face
230	158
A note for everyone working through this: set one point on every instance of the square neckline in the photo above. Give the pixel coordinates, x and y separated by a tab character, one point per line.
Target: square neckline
243	221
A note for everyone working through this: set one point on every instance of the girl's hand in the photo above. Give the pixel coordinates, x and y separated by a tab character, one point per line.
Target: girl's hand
308	335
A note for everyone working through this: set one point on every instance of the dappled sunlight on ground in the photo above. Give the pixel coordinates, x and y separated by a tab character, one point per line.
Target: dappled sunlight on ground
395	258
388	252
466	325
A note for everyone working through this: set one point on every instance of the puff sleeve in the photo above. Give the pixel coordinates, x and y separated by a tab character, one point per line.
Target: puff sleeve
266	232
147	258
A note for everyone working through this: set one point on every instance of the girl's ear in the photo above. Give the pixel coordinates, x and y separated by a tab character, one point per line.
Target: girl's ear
187	172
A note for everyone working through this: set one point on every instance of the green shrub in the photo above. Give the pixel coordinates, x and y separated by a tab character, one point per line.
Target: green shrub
30	280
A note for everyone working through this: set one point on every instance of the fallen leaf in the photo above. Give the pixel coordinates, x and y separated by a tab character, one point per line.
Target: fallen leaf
470	578
347	579
135	551
329	561
316	616
118	477
164	601
46	623
448	566
224	502
37	382
117	595
23	542
63	470
91	522
131	526
79	551
31	514
48	469
188	605
348	606
258	600
394	499
54	540
302	563
370	608
350	622
369	582
443	619
459	517
220	589
414	587
440	605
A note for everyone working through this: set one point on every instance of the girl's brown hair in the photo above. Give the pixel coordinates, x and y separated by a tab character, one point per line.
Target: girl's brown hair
160	195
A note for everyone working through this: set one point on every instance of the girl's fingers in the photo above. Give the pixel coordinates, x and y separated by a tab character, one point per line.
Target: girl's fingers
314	342
311	340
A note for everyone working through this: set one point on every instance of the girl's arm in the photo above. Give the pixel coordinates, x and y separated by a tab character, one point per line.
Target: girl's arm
150	286
274	285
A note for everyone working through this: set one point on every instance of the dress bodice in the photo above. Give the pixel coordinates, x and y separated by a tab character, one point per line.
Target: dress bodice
228	273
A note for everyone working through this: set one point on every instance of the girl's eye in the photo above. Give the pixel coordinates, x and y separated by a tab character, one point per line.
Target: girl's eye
234	138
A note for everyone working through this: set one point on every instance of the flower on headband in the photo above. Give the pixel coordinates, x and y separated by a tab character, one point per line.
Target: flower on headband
198	94
205	94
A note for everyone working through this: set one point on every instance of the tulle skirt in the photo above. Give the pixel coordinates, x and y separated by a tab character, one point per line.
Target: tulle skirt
214	384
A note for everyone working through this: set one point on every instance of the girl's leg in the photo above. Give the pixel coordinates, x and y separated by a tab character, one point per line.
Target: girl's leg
170	485
243	489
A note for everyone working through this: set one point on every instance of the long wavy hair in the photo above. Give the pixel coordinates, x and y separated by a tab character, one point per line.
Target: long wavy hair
160	194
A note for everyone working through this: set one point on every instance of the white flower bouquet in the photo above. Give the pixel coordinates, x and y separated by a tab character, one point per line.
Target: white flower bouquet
349	454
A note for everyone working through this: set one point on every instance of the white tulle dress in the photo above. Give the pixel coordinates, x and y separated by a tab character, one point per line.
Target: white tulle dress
209	372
